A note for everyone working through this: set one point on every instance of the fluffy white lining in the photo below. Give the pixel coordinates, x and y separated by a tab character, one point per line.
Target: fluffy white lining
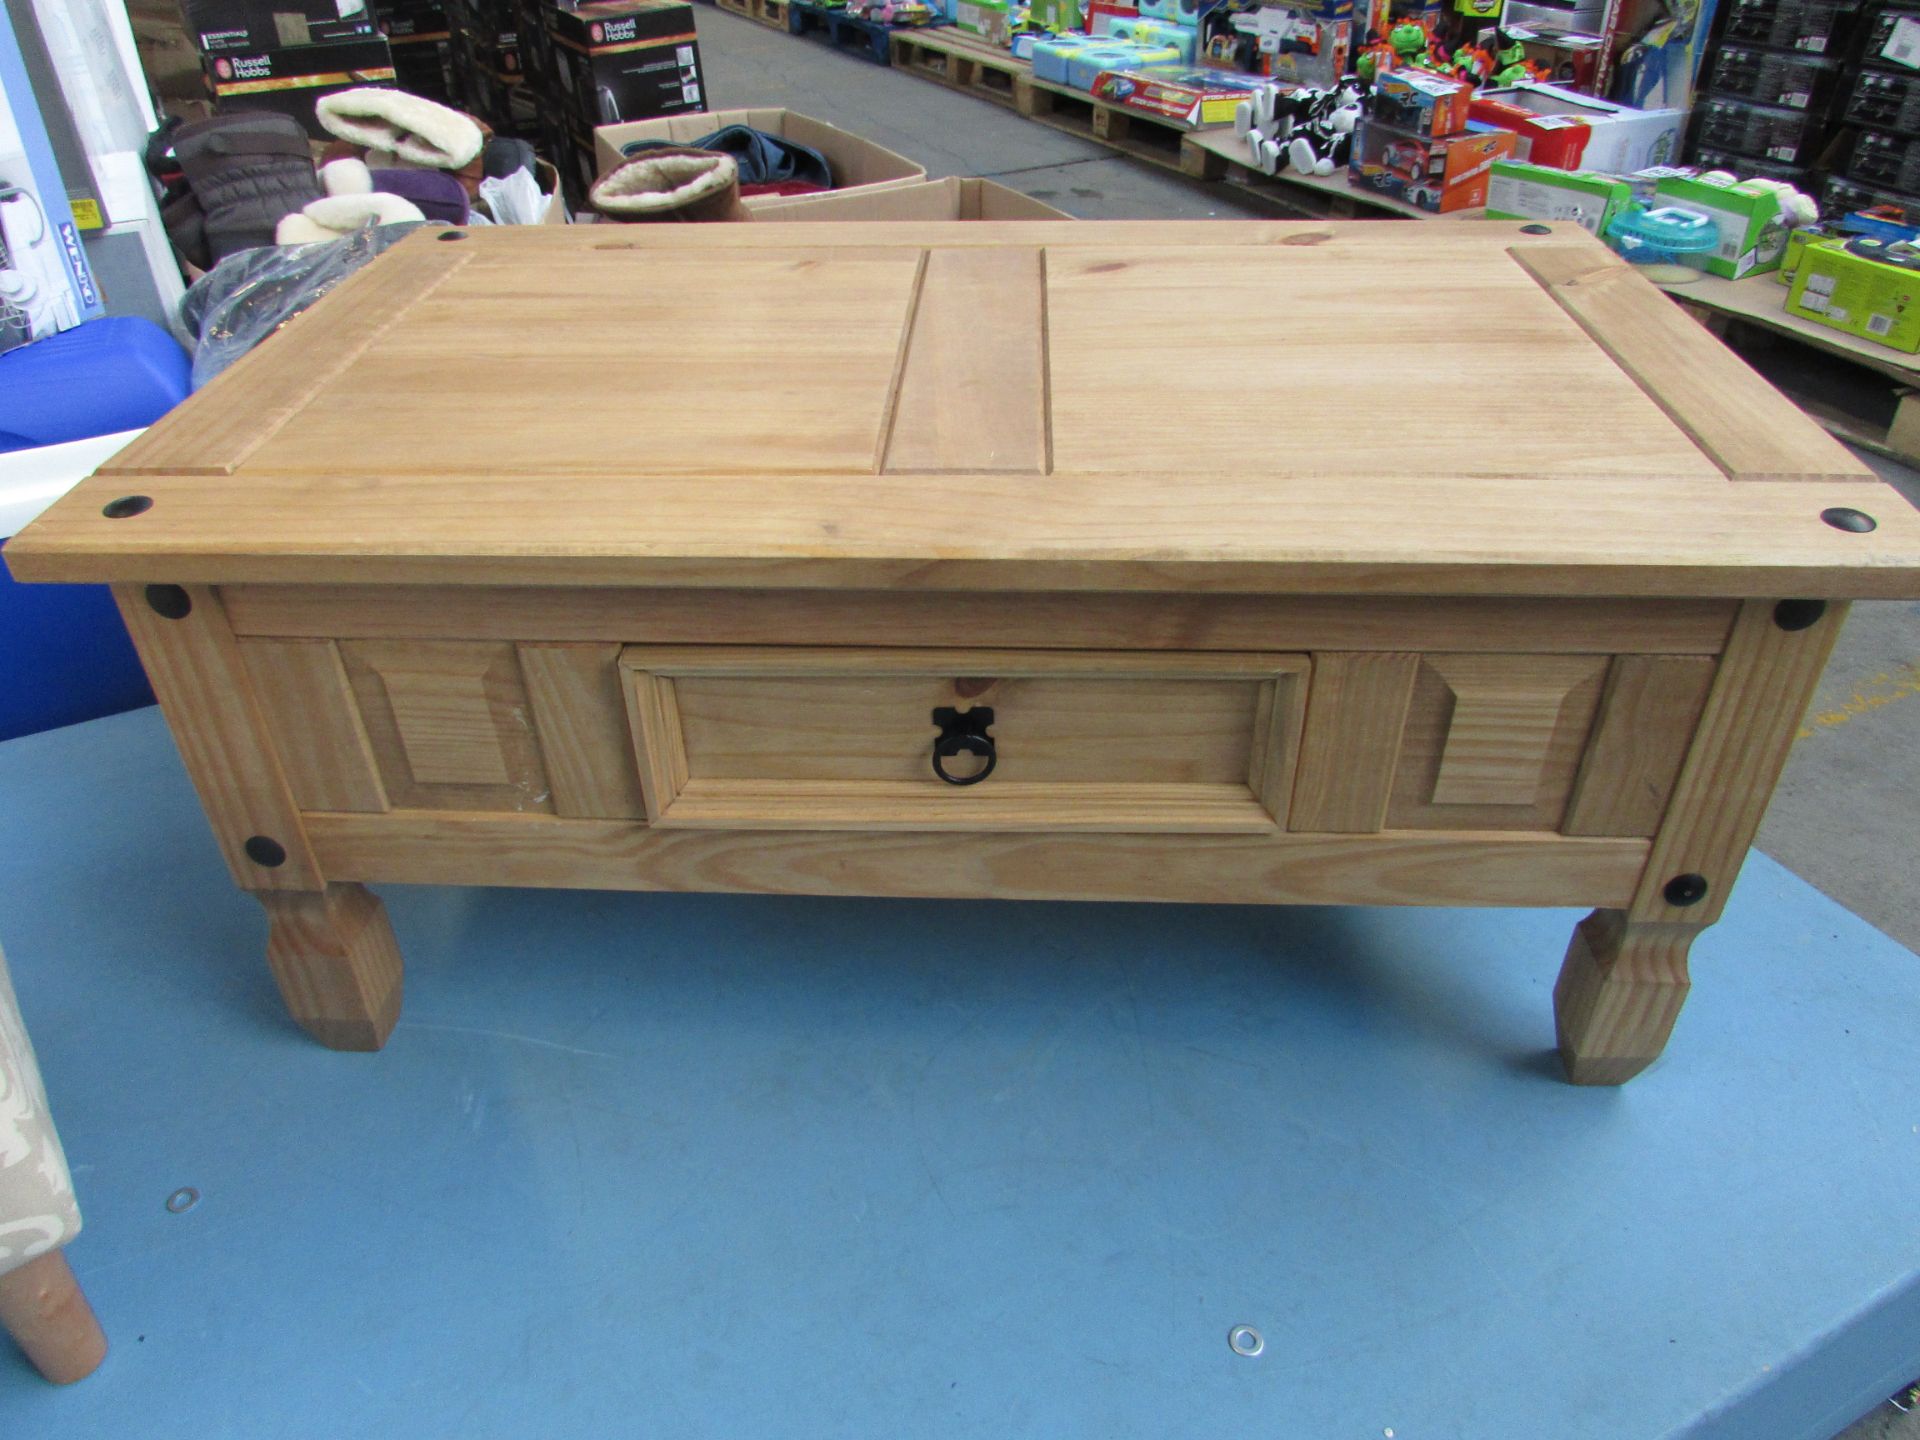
297	229
416	129
662	182
335	215
346	177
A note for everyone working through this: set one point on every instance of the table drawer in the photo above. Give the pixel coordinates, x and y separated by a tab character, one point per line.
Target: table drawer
849	739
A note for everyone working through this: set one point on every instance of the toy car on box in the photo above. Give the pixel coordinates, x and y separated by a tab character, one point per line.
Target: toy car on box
1440	173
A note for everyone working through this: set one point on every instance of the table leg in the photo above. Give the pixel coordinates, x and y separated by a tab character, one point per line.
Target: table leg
1625	975
1620	990
43	1309
334	957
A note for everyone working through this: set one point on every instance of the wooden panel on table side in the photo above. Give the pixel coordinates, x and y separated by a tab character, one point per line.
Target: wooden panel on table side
791	374
413	847
843	739
580	714
1293	623
221	425
1736	417
972	393
1647	717
204	691
1240	362
1506	711
450	723
1551	761
311	714
1356	714
1760	692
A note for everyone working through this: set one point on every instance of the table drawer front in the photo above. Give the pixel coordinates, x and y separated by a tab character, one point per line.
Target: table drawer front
1579	744
833	738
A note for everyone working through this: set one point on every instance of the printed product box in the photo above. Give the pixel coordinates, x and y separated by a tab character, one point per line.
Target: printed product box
1849	289
1057	14
1622	139
1889	161
1438	173
1188	96
1797	243
857	163
1518	191
1421	102
1274	41
1774	77
1175	12
291	80
1155	32
985	18
1752	233
1816	26
1841	196
1749	167
1086	65
620	60
1893	35
255	25
1766	132
1050	56
1559	141
1884	100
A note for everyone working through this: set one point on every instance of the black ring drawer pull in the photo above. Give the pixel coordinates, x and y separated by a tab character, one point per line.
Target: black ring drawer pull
963	732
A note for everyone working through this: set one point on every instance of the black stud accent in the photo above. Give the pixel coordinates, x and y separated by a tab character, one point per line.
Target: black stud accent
1686	889
1799	614
263	851
1536	229
169	602
1845	517
451	235
127	506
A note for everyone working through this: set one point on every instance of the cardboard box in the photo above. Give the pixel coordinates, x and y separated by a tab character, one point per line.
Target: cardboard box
1622	139
1438	173
1766	132
1886	100
1086	66
1843	287
1797	243
1817	27
1272	40
1519	191
1558	141
289	81
618	60
1839	196
249	26
1774	77
1891	162
857	163
1752	233
933	200
1421	102
1157	33
1183	94
985	18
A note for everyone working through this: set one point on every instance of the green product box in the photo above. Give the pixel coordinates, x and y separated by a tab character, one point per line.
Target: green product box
1870	298
1797	242
1519	191
1752	232
1059	16
985	18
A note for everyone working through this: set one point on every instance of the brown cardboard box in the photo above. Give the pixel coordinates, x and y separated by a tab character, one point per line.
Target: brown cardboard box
935	200
857	164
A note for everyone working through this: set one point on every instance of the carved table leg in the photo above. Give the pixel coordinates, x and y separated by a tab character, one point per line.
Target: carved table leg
43	1309
1619	991
1625	975
338	967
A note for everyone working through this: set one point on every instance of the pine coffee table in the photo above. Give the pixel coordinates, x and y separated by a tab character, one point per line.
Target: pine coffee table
1295	563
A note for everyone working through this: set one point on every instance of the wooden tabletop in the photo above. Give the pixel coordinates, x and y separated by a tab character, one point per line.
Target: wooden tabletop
1225	406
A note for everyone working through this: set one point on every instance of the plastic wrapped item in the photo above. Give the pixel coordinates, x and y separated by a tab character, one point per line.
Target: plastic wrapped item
248	296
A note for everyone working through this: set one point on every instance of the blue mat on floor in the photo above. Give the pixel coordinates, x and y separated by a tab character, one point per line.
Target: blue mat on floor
700	1166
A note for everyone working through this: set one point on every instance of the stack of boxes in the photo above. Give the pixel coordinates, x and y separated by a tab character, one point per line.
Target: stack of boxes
1883	103
1771	86
485	54
1419	145
604	62
283	55
419	35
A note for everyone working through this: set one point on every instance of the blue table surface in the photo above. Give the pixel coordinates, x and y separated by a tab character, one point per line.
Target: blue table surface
697	1166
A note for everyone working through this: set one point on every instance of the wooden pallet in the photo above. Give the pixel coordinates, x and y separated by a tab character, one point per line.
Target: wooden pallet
864	37
956	60
1883	383
772	13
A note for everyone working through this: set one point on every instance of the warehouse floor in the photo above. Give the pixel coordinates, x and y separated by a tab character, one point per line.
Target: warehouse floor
1843	817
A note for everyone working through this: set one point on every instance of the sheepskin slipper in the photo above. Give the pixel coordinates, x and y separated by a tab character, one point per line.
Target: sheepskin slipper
336	215
415	129
346	177
671	184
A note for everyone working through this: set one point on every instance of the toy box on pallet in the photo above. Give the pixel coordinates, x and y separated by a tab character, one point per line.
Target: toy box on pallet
1271	40
1519	191
1421	102
1440	173
1178	93
1863	287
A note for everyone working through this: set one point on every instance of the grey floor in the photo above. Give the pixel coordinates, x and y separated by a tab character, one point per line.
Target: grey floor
1844	814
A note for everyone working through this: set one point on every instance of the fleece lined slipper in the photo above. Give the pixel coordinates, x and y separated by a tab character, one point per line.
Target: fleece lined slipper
415	129
671	184
335	215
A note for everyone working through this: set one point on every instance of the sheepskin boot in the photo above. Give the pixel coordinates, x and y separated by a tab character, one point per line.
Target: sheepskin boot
671	184
416	130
